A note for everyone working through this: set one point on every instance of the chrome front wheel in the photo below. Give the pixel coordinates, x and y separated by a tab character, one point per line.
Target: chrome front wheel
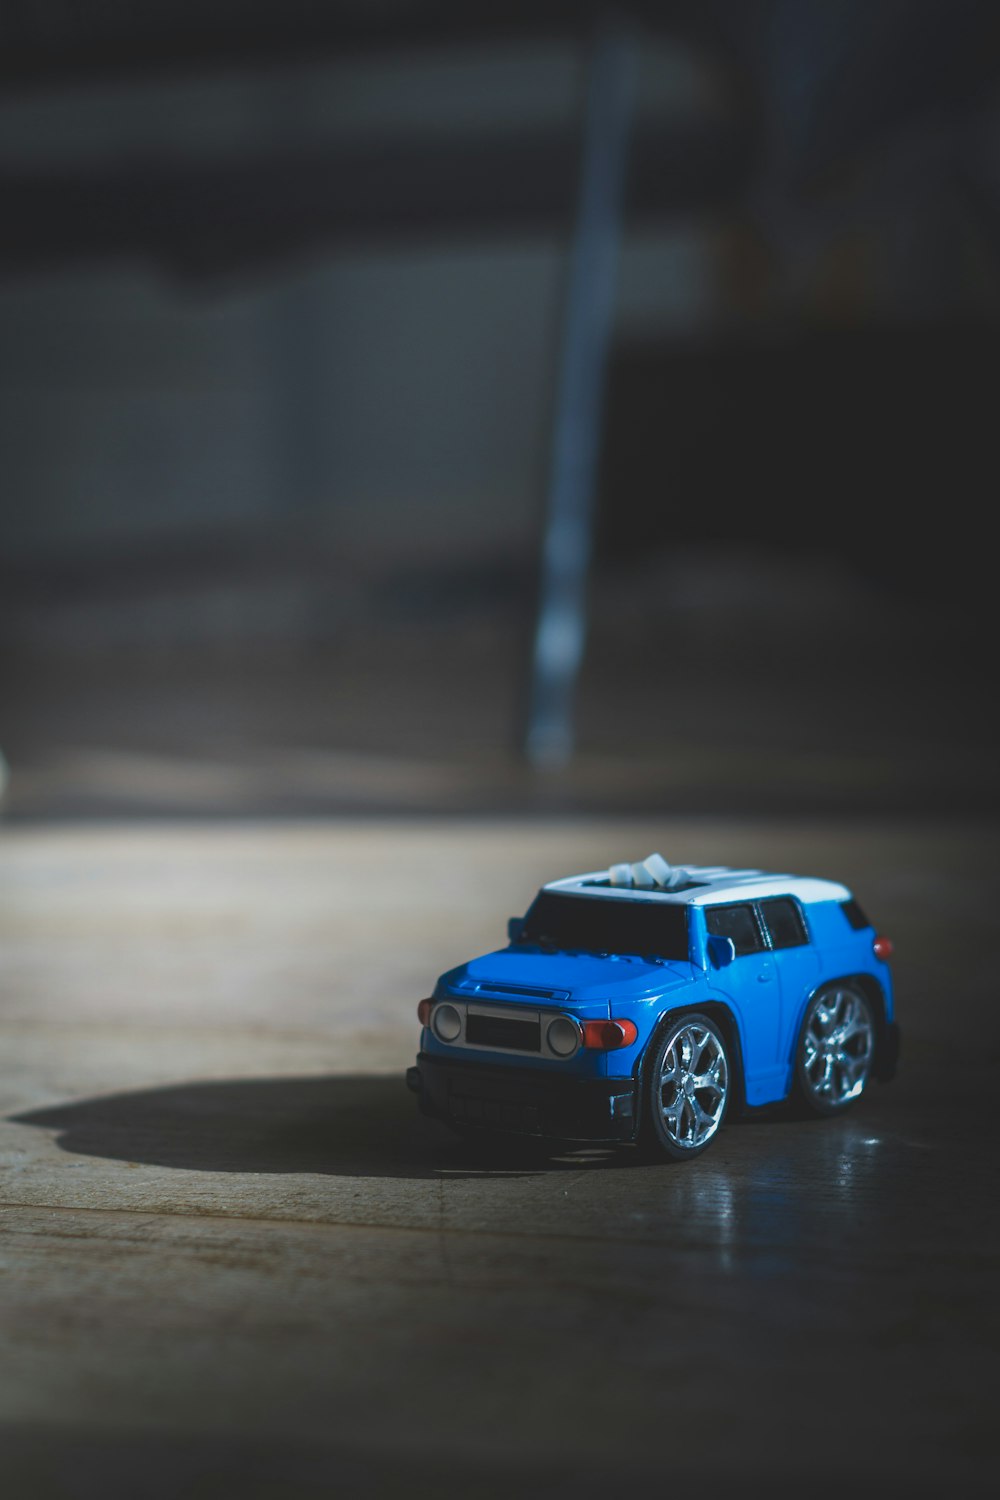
836	1049
688	1087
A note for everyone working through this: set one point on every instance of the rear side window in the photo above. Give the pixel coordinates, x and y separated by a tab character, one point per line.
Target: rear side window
852	911
784	923
738	923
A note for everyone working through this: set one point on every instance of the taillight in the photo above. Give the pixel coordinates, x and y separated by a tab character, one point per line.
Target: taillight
608	1036
882	948
424	1012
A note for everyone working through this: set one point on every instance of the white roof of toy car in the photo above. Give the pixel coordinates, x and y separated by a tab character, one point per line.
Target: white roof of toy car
653	879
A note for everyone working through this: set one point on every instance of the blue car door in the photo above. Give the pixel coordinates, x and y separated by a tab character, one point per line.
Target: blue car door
751	984
797	964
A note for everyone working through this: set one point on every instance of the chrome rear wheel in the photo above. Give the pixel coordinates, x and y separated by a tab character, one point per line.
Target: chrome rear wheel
836	1049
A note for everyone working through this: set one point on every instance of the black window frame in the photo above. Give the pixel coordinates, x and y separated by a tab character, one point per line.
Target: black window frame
762	919
855	915
620	920
756	905
751	906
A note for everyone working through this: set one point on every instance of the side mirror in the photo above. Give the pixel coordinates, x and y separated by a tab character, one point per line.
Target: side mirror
721	950
515	928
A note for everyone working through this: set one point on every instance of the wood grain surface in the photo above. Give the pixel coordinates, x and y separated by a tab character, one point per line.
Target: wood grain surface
236	1260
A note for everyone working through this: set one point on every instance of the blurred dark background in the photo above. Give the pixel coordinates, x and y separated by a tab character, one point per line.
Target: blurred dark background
367	368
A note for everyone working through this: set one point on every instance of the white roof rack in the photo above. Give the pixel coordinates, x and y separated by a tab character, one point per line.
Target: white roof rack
653	879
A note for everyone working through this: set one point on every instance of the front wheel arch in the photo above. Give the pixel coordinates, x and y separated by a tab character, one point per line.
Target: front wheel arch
723	1017
720	1018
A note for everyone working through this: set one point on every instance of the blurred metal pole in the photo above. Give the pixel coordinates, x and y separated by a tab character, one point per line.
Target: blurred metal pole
588	321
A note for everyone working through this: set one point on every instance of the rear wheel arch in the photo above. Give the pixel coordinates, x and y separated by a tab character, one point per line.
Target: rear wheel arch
873	993
836	1046
886	1046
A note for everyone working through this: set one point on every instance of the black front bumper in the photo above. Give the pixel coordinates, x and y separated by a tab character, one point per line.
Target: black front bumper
524	1101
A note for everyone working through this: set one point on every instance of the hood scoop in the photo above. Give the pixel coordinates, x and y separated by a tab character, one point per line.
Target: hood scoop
522	991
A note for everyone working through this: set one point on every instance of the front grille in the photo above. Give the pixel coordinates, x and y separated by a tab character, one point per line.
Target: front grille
503	1031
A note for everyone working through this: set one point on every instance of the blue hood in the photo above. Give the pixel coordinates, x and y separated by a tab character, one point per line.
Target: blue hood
543	978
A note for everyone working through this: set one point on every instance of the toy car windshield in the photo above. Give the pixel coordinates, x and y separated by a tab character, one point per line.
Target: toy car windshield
594	924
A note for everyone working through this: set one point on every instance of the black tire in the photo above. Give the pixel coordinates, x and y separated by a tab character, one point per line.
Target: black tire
679	1118
835	1053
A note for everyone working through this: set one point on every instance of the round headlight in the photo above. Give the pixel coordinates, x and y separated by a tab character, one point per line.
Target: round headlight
563	1036
446	1023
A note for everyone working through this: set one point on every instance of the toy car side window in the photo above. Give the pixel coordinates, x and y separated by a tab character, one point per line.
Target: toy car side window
855	916
738	923
784	923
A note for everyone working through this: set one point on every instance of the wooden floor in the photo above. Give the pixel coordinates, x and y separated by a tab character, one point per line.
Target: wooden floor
235	1260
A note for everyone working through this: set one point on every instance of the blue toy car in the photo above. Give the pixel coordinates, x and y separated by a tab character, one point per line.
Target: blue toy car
645	1001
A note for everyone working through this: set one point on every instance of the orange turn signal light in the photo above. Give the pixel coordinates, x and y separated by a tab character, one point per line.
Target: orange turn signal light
424	1012
608	1036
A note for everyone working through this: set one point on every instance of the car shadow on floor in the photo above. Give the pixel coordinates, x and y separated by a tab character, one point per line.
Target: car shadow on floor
354	1125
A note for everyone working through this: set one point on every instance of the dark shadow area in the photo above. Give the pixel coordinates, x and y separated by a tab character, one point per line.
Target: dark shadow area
353	1126
85	1465
915	407
833	1261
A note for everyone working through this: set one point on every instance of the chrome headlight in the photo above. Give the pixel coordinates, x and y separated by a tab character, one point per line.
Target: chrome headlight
562	1036
446	1023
